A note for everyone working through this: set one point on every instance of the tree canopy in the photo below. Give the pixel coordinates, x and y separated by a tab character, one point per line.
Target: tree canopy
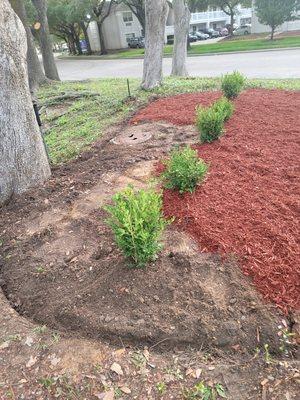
275	12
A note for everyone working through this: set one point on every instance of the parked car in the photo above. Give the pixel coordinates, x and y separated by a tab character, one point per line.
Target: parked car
136	43
224	32
201	35
242	30
192	37
211	32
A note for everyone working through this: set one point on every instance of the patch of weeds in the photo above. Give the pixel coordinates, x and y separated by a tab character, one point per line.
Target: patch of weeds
14	338
232	84
210	123
118	393
55	337
87	118
40	269
42	346
175	372
204	392
40	329
184	170
161	388
137	223
138	359
47	382
286	339
60	387
98	368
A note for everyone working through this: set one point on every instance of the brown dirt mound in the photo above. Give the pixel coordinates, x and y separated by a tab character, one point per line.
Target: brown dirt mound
183	298
61	268
249	204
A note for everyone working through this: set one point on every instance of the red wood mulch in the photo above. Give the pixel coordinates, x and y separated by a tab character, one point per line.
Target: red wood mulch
249	204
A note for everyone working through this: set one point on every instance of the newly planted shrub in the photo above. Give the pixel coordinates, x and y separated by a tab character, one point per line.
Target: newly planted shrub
184	170
137	222
210	123
225	107
232	84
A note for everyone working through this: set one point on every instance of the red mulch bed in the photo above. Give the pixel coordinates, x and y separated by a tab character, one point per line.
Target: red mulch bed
249	204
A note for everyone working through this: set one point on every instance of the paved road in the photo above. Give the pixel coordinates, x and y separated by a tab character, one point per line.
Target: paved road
266	64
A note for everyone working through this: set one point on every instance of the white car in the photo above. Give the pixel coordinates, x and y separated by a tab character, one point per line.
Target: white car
242	30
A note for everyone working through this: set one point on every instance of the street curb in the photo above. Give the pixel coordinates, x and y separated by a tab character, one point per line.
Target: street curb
104	58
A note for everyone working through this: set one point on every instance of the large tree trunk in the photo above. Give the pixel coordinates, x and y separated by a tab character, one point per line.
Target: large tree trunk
86	37
272	32
77	42
231	22
103	50
23	160
36	75
156	15
182	17
46	42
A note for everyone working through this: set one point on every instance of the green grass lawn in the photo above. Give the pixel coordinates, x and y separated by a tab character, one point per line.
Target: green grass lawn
239	44
73	124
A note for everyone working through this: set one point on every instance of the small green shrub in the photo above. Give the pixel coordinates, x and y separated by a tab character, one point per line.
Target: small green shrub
184	170
232	84
225	107
137	222
210	123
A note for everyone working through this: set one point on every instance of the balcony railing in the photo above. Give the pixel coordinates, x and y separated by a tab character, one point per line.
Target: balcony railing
218	15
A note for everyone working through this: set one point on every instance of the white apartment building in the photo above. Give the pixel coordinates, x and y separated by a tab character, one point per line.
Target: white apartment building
122	25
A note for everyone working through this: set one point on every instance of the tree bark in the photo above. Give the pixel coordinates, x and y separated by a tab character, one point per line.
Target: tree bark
272	32
156	15
77	41
46	42
86	37
23	160
182	17
231	22
36	74
103	50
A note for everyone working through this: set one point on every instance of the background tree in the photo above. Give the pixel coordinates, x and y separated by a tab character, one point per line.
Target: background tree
138	9
182	18
81	11
156	16
229	7
197	5
45	40
23	161
36	75
101	10
275	12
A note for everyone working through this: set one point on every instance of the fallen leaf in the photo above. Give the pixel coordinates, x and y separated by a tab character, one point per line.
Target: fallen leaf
105	395
264	382
189	371
198	373
4	345
117	369
29	341
125	390
31	362
119	352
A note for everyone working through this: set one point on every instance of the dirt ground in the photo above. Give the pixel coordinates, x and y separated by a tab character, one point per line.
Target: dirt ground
76	323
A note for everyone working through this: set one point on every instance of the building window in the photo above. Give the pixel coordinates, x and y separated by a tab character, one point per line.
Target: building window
129	36
127	16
